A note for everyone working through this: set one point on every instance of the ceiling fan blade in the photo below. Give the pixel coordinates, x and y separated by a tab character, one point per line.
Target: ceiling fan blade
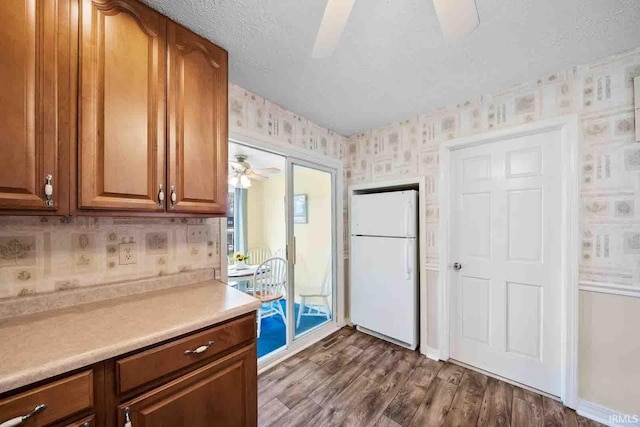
237	167
266	171
333	22
252	175
457	17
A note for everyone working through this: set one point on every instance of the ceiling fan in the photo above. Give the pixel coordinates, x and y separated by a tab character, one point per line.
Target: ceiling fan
457	19
241	174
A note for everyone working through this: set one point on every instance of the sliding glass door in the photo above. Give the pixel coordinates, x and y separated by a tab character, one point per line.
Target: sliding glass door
311	231
282	212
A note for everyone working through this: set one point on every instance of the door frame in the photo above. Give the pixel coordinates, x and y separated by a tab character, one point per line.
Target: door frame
399	184
301	156
570	229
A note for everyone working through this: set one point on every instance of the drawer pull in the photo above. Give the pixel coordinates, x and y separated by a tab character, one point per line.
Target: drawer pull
127	417
198	350
19	420
173	197
48	190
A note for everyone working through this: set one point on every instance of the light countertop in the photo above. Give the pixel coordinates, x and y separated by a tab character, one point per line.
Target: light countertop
38	346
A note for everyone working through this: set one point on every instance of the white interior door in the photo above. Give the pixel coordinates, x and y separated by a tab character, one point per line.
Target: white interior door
505	301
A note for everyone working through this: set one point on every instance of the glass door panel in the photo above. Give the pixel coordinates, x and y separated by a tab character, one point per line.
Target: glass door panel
312	263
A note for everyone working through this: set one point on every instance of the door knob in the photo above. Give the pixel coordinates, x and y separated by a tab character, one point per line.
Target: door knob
457	266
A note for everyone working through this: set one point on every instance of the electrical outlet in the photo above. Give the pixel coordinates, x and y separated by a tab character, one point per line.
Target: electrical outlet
127	253
198	233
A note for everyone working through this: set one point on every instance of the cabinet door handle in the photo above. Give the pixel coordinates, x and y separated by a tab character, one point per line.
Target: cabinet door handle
174	197
127	417
200	349
48	190
160	196
19	420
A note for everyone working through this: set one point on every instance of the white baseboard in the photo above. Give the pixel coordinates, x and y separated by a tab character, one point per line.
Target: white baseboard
606	416
432	353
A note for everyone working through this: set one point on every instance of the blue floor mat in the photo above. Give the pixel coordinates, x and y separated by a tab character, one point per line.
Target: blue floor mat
273	334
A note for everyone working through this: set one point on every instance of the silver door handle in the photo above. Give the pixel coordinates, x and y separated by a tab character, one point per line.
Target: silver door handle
457	266
173	197
200	349
19	420
48	190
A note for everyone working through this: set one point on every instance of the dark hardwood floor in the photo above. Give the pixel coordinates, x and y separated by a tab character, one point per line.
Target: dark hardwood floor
351	378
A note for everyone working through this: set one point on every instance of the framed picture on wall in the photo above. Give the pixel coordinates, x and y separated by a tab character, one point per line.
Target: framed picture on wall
300	209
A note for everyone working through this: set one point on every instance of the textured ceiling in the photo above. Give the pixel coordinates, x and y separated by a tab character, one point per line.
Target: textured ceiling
392	61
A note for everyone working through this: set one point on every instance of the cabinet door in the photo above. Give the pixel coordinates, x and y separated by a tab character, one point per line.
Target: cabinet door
223	393
197	123
121	143
34	86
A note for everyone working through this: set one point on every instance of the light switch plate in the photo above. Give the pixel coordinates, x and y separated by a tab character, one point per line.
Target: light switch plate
127	253
198	233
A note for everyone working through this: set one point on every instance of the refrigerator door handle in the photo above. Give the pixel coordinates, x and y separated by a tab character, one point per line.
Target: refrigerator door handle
407	259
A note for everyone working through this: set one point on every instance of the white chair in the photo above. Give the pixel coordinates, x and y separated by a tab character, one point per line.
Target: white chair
258	255
269	283
280	253
322	294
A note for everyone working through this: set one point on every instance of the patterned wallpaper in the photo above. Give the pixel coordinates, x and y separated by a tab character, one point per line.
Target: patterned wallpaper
44	254
252	115
602	95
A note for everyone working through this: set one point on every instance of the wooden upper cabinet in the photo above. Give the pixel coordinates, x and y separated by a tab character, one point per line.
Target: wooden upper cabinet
121	123
34	73
197	91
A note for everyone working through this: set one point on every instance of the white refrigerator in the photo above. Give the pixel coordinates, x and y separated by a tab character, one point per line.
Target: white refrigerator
383	261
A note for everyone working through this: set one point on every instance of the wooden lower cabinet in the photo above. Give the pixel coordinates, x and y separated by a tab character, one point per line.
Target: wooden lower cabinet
222	393
216	386
89	421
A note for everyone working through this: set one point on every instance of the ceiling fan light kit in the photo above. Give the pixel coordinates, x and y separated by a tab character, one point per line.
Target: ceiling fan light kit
241	174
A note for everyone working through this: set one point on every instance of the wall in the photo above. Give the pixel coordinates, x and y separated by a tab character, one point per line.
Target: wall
266	214
313	239
45	254
610	351
602	95
267	226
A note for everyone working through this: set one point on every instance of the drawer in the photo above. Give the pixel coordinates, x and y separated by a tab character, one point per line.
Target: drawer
63	398
85	422
150	365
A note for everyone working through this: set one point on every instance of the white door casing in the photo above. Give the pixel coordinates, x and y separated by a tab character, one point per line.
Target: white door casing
509	215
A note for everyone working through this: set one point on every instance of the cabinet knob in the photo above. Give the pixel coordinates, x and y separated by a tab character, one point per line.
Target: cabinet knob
174	197
48	190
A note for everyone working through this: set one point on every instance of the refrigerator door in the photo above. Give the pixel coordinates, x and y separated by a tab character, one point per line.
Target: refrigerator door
384	286
384	214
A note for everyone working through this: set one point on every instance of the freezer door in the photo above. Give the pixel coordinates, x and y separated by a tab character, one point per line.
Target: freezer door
384	214
384	286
